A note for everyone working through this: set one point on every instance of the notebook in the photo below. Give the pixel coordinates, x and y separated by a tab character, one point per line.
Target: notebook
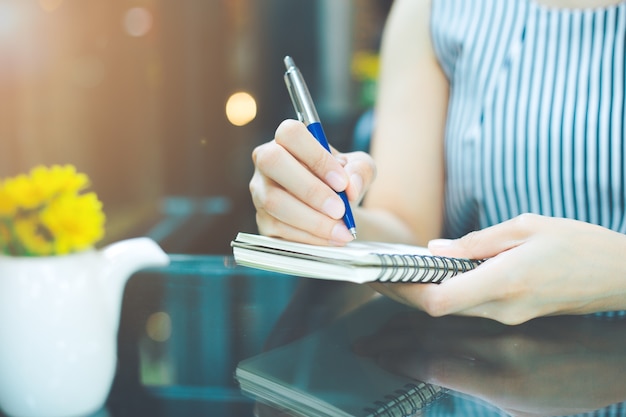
358	261
320	376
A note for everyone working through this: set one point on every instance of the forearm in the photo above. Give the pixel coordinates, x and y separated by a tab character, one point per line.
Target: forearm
382	226
405	203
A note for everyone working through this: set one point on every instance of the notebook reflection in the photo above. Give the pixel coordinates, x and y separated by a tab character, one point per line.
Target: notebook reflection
557	366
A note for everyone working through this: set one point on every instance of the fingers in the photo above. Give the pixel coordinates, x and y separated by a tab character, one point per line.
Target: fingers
295	184
535	267
488	242
279	166
298	142
463	292
361	171
281	214
490	291
352	172
335	233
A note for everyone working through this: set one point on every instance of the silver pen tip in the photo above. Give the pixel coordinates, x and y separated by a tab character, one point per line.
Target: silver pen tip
353	232
289	63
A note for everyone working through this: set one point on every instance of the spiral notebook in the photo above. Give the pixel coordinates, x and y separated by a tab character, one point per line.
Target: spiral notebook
358	261
320	376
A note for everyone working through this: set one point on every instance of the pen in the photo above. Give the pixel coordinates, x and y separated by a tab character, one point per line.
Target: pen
305	109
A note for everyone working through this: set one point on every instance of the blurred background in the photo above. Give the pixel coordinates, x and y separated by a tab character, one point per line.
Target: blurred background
160	102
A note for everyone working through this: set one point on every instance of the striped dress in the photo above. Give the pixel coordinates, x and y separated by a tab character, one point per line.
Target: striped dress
537	111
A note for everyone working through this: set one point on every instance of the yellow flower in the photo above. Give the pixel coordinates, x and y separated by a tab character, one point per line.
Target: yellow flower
22	192
57	180
44	213
75	222
31	191
33	237
7	204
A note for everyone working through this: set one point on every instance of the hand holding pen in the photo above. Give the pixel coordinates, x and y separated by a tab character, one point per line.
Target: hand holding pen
296	183
307	114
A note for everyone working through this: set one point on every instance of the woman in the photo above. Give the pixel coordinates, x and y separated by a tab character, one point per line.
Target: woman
500	127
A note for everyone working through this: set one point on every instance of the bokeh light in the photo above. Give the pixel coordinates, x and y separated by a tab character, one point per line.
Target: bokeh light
240	108
159	326
137	21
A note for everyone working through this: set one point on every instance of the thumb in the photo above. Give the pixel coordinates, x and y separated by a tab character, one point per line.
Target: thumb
481	244
361	171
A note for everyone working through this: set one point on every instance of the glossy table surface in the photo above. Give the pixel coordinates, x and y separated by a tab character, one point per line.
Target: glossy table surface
185	327
183	330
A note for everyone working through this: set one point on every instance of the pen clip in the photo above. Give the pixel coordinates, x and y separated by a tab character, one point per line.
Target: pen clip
295	98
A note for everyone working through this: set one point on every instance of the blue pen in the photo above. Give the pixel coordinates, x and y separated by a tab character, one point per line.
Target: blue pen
305	109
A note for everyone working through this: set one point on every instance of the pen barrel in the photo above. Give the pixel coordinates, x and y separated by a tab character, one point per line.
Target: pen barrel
348	218
302	103
317	131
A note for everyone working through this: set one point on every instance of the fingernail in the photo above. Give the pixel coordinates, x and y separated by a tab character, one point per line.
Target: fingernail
336	181
440	243
334	207
340	233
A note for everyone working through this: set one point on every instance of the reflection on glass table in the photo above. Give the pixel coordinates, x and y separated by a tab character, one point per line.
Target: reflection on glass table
554	366
183	330
186	327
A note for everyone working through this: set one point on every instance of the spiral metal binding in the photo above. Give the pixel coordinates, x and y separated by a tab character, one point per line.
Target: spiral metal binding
421	268
405	402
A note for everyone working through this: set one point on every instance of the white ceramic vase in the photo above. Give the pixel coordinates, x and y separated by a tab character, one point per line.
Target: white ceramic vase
59	318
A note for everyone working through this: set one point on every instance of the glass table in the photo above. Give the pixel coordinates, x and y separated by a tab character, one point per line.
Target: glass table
184	328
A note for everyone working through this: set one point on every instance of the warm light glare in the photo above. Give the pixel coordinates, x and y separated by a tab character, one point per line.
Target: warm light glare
88	71
240	108
159	326
50	5
9	19
137	21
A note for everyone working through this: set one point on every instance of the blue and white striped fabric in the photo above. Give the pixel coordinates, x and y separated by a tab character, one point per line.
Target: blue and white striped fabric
537	112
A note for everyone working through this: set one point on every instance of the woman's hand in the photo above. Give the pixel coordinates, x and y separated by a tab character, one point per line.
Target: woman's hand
537	266
295	184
